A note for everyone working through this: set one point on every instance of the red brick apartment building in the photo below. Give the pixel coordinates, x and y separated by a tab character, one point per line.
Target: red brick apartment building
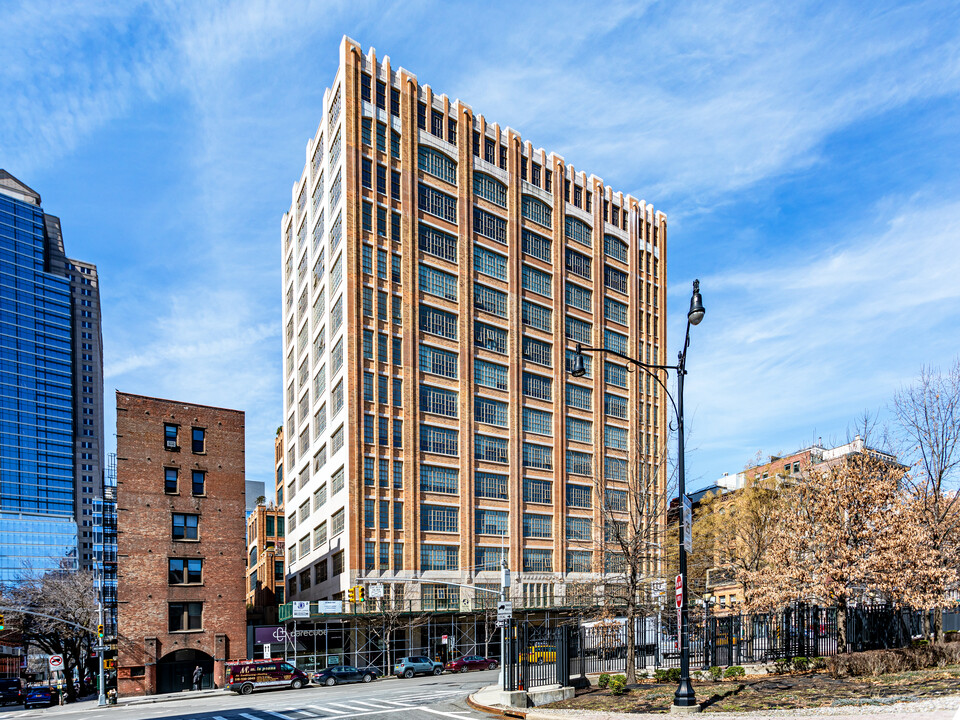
181	546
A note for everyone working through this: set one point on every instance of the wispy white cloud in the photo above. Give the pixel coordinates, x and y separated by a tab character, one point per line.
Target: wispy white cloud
812	339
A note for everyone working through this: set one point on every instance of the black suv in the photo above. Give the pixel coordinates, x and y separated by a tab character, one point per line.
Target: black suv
11	691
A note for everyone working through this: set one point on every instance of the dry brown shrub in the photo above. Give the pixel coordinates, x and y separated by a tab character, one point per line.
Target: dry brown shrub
881	662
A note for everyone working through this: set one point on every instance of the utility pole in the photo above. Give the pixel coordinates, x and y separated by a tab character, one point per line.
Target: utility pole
504	596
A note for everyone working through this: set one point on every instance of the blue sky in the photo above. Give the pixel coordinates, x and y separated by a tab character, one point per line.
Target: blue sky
805	155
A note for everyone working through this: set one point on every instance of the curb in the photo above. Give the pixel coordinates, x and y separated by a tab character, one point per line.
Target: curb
172	697
498	711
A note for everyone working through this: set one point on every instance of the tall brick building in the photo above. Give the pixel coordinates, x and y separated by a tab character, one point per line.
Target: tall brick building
437	272
181	547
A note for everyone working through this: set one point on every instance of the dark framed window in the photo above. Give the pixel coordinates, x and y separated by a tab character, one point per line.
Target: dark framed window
170	481
170	436
199	440
185	616
199	482
186	527
181	571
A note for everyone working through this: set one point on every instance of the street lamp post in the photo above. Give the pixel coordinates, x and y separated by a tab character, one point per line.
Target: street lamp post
684	699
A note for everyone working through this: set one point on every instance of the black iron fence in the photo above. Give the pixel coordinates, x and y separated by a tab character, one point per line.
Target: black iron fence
537	656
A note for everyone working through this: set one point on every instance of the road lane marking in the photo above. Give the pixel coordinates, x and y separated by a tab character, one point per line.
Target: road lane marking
369	704
323	709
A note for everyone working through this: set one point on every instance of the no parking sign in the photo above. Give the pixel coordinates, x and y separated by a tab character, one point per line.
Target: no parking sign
56	662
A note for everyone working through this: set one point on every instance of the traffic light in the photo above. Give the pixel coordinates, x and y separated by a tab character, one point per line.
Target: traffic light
352	594
109	664
1	622
100	631
361	593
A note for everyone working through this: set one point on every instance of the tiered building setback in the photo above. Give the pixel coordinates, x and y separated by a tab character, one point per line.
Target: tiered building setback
437	274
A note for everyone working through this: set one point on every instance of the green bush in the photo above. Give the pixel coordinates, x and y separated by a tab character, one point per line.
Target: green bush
818	663
716	672
671	675
603	681
734	671
782	667
801	664
618	685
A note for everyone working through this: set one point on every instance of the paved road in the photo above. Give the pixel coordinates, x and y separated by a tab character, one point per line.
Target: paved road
388	699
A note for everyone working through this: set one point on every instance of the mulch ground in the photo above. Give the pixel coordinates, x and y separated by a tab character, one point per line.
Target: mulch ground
775	692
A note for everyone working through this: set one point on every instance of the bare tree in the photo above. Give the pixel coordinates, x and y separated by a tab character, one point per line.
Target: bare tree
62	617
928	413
633	512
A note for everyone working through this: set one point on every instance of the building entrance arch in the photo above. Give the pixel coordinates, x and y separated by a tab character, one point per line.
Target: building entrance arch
175	670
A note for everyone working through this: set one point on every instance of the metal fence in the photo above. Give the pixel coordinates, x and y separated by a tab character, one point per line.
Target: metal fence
539	656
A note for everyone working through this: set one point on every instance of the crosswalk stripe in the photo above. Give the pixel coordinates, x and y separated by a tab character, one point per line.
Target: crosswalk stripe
348	707
276	714
368	704
302	712
323	709
250	717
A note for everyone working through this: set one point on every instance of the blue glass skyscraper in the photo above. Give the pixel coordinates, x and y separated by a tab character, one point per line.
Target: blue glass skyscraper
38	521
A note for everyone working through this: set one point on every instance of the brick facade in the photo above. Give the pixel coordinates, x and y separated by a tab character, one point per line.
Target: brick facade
153	657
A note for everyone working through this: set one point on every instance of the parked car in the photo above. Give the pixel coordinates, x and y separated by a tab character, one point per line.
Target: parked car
471	662
336	674
11	691
375	671
41	696
416	665
246	677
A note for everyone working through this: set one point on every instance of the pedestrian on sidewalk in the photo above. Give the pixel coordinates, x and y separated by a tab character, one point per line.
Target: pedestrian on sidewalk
197	678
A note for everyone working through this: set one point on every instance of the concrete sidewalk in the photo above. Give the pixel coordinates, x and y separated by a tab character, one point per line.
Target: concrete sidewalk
171	697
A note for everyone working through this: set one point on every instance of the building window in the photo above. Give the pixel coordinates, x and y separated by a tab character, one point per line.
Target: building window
538	351
537	491
537	560
336	523
580	561
490	300
438	322
537	456
490	337
535	245
579	397
536	210
439	557
439	518
199	482
437	203
490	485
488	558
493	522
489	225
578	231
442	441
170	483
199	440
615	341
438	362
615	500
338	563
579	297
615	310
615	437
579	430
579	463
491	412
537	421
438	401
537	316
489	374
490	189
579	496
439	283
436	242
615	247
185	616
615	279
579	528
489	262
615	374
537	281
538	386
185	527
182	571
170	436
578	330
490	449
438	479
578	264
437	164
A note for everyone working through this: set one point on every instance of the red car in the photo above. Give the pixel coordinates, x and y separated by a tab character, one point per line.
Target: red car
471	662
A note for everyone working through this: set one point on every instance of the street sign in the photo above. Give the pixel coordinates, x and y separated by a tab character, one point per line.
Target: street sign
267	651
301	609
101	648
376	591
444	640
330	606
504	613
679	591
56	662
687	524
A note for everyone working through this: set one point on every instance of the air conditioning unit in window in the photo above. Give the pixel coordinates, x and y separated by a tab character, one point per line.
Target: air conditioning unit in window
171	443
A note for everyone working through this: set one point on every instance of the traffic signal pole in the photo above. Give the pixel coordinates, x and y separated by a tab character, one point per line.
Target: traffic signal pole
102	699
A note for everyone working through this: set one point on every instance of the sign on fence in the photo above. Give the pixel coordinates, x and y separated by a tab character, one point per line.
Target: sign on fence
301	609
